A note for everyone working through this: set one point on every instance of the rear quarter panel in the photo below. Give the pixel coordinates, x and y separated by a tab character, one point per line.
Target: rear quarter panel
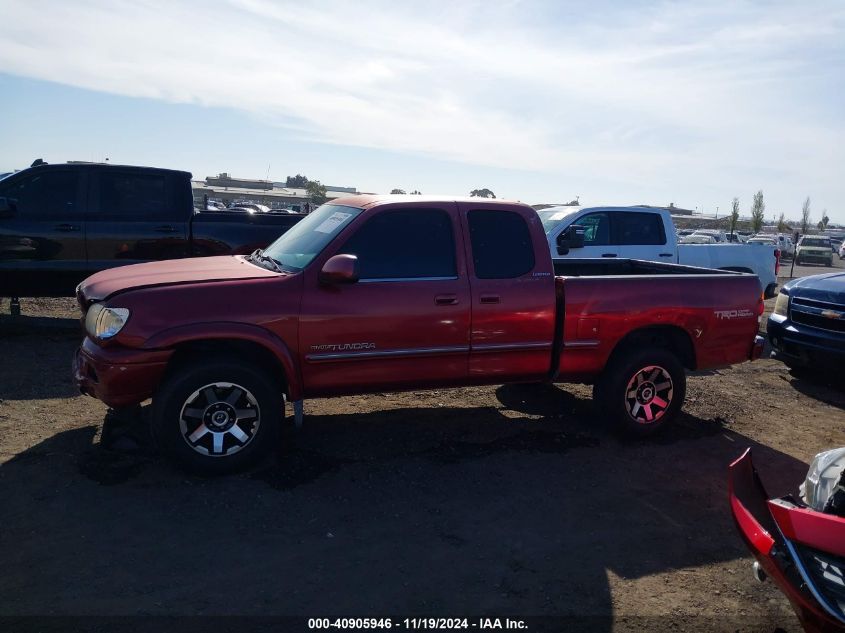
718	313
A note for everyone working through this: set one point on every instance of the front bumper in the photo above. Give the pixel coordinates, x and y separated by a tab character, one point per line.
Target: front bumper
799	345
118	376
815	257
760	528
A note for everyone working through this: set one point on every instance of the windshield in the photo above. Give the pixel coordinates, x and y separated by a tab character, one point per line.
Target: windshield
307	238
815	242
553	216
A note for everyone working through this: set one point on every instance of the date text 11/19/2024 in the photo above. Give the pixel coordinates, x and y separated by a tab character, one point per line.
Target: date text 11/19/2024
418	623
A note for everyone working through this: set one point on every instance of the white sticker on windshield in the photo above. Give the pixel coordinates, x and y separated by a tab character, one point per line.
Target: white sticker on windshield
334	220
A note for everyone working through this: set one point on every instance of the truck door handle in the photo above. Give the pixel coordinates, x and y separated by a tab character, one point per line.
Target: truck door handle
666	254
446	300
165	228
66	228
608	254
490	298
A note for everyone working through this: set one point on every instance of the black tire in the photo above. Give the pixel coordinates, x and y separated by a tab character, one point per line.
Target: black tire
663	381
799	370
255	412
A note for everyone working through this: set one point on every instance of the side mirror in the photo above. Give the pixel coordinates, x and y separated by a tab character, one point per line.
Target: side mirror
340	269
6	208
572	237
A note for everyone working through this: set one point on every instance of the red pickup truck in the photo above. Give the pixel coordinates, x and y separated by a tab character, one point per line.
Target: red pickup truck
380	293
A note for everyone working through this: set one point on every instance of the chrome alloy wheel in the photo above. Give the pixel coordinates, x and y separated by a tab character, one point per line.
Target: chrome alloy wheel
648	394
219	419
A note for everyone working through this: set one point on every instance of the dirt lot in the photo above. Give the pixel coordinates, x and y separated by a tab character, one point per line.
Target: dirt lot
502	501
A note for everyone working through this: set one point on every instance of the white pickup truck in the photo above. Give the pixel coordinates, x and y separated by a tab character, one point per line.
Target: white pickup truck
648	233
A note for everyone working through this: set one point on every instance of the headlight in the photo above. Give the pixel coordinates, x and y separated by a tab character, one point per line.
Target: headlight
782	304
103	323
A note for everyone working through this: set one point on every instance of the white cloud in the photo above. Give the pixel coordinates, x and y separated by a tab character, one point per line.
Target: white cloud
657	93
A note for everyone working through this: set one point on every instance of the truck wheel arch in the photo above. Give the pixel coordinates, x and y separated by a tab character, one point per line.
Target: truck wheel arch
670	337
245	341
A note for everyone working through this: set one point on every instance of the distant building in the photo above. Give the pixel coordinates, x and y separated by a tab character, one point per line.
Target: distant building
226	181
677	210
227	189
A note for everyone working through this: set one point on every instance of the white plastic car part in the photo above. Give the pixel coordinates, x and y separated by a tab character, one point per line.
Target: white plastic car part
824	474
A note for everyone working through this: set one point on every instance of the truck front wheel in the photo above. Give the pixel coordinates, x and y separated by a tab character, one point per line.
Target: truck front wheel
217	417
642	390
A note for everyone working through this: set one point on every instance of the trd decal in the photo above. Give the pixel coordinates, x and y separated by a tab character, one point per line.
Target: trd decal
734	314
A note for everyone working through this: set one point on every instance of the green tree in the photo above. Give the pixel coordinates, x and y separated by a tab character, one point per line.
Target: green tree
316	191
824	221
734	214
297	182
397	191
783	227
758	211
805	216
482	193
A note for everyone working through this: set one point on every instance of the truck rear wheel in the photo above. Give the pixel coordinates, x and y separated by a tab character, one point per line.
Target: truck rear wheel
217	417
642	390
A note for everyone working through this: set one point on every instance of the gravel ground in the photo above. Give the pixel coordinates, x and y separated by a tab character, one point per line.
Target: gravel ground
514	500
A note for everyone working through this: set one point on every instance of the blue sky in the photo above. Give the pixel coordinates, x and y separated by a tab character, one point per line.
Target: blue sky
615	102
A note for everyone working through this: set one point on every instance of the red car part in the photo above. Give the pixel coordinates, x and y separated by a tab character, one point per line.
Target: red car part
783	536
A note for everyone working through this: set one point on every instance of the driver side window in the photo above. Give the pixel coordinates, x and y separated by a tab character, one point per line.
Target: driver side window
405	244
46	195
596	229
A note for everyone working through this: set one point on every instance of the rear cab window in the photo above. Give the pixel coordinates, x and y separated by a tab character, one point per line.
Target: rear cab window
136	195
638	229
502	247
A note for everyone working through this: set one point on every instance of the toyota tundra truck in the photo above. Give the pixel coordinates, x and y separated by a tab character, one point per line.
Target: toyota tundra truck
389	293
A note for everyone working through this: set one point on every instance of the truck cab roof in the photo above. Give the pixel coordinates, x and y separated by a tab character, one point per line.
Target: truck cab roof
365	201
90	165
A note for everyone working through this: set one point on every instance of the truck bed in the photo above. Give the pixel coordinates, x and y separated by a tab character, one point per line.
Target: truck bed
612	267
710	313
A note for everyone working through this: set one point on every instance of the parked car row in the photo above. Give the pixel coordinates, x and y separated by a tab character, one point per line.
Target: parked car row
383	293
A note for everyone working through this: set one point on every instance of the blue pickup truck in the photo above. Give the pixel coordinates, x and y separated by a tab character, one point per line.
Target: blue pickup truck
807	327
